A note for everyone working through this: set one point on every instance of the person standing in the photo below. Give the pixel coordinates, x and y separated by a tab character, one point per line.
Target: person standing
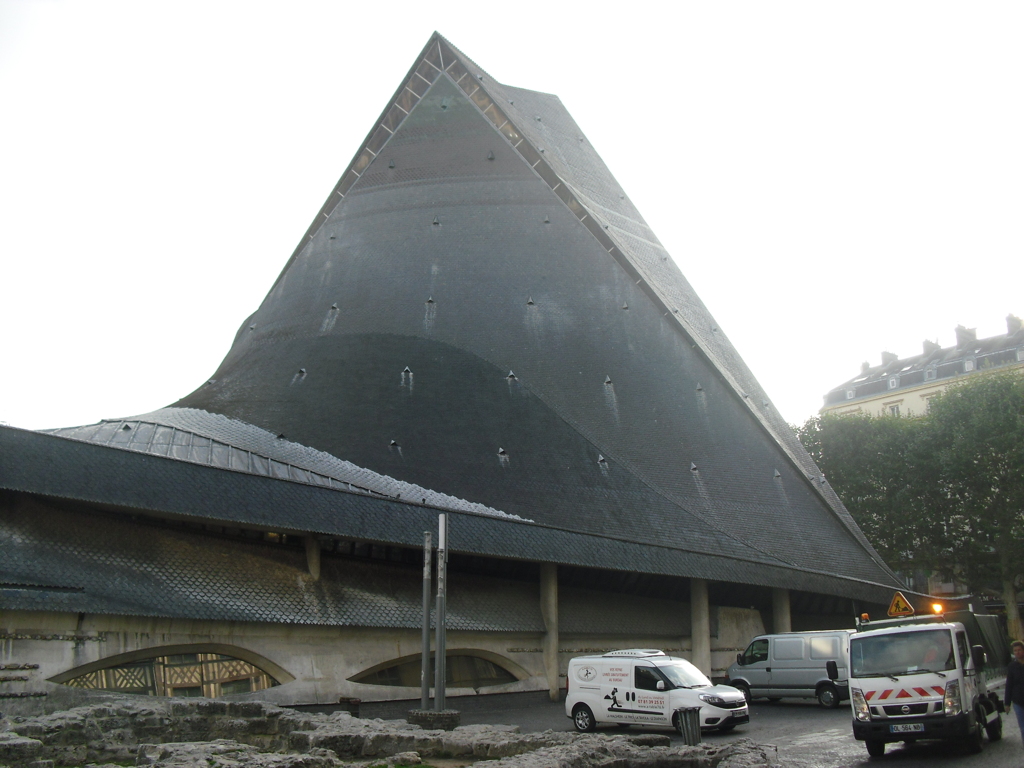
1015	684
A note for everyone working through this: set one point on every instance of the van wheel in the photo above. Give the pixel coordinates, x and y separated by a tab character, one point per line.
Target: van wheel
743	688
828	696
976	738
876	748
583	718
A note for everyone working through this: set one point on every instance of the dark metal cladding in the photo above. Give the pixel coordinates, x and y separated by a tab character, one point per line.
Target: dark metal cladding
486	236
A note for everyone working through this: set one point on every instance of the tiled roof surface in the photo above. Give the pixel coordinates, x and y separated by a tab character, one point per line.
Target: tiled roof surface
83	473
210	438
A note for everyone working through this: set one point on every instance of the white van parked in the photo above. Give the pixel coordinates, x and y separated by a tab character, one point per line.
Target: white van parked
645	687
793	664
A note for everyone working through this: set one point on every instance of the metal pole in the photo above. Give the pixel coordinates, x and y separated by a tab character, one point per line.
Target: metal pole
425	650
439	620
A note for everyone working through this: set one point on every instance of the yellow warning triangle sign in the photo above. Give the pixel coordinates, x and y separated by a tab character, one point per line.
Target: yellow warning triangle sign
900	606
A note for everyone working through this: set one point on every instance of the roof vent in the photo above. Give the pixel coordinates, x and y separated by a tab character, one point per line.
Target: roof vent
280	436
625	306
393	444
502	452
764	403
700	388
302	371
529	301
334	306
436	222
490	155
538	118
777	473
252	327
511	376
444	102
430	300
126	427
391	164
547	219
210	381
406	370
693	467
601	459
330	237
607	379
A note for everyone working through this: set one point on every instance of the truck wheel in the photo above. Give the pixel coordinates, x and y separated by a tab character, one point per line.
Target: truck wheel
828	696
583	718
976	738
743	688
876	748
995	728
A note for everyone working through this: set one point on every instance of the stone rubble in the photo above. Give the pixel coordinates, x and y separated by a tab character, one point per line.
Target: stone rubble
218	734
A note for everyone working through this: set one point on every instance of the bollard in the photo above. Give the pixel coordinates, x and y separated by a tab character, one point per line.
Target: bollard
687	720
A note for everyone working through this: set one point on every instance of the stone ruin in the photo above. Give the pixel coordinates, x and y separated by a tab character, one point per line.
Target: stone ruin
218	734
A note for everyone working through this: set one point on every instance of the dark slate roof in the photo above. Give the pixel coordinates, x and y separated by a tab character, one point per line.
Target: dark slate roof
478	290
213	439
934	364
478	309
132	482
59	560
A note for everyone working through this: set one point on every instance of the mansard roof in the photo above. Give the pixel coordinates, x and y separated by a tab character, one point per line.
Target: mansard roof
935	364
479	312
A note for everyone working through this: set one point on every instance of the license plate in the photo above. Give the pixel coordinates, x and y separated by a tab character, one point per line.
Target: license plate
906	728
739	712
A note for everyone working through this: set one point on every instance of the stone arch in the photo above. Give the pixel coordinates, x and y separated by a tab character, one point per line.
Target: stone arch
515	671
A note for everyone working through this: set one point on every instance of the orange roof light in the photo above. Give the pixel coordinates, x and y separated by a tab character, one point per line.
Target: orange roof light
936	607
865	617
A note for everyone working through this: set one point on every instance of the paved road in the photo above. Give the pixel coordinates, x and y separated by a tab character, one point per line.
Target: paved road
806	736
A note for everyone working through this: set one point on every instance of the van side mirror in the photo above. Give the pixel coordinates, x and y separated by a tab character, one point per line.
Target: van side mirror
979	656
832	669
739	659
660	685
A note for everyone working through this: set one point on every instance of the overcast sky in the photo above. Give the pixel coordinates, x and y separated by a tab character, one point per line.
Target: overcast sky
834	179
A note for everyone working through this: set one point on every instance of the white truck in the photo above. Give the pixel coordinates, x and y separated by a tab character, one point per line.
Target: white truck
927	677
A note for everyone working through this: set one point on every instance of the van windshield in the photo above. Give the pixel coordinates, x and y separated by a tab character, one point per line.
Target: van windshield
905	653
684	676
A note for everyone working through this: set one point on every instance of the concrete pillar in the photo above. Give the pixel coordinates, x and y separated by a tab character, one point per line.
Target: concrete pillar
700	626
313	556
781	619
549	613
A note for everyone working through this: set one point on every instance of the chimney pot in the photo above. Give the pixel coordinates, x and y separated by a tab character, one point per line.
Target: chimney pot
888	358
865	367
930	347
1013	324
965	336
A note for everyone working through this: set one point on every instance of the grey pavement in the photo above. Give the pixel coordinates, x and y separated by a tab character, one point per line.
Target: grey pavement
805	735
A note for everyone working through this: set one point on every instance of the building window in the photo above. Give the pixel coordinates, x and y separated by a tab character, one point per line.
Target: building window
192	675
460	672
929	374
894	381
894	410
968	366
850	394
1020	354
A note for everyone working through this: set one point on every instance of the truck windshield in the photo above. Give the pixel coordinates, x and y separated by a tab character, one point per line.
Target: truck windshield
902	653
684	676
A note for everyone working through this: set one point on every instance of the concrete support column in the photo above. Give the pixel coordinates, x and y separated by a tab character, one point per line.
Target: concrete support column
700	626
781	619
549	613
313	556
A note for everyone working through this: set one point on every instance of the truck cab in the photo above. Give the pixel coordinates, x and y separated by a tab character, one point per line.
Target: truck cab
926	678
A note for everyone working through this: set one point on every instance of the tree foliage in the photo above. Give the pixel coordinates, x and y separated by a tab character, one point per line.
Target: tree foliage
944	491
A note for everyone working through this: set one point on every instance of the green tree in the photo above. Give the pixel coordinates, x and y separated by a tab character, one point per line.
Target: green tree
944	491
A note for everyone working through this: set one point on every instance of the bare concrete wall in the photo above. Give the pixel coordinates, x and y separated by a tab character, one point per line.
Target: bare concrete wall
314	663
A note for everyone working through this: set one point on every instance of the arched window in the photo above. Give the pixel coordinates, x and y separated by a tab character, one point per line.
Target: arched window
178	671
479	669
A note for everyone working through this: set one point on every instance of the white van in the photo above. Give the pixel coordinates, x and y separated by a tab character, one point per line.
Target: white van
645	687
793	664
